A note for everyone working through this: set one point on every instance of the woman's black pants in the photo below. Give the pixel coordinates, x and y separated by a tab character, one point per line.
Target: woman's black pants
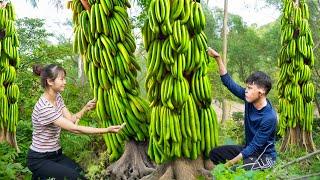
52	165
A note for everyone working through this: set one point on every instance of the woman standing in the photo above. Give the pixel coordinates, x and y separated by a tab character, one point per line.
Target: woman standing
45	158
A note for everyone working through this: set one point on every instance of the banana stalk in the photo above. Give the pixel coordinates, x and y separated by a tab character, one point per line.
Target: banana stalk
183	122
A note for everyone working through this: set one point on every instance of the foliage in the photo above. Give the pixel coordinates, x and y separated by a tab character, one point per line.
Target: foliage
245	47
231	132
316	131
10	168
237	116
223	173
97	167
213	27
31	34
276	3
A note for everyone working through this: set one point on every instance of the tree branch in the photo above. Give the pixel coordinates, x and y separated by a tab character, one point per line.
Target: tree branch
306	176
301	159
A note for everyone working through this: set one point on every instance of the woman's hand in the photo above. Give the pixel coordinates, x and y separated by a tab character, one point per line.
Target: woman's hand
116	128
90	105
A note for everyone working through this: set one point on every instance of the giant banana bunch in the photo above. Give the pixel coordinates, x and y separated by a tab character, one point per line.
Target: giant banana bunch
103	38
183	122
296	91
9	62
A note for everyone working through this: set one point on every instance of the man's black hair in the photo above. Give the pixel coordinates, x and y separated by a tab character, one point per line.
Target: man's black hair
261	79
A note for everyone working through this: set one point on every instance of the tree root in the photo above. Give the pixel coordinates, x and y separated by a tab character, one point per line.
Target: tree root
6	136
133	164
298	137
180	169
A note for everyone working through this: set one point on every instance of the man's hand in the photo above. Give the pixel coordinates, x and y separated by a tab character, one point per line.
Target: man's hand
86	4
3	4
222	69
90	105
213	53
234	161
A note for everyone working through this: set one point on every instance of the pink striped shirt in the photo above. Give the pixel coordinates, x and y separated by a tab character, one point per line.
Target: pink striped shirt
46	135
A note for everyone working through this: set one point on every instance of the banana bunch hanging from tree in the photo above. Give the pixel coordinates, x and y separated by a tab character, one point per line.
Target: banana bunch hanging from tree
296	58
9	62
183	122
104	39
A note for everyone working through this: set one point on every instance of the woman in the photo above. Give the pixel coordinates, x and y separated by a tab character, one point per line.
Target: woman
45	158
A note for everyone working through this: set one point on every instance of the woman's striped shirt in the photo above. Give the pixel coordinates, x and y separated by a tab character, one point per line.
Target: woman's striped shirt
46	135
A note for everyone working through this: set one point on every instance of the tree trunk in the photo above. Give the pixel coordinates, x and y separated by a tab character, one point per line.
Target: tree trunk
9	137
133	164
225	43
242	72
81	75
224	110
180	169
297	137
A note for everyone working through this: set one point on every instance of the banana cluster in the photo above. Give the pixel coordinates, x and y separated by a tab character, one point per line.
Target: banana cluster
296	58
104	39
183	122
9	62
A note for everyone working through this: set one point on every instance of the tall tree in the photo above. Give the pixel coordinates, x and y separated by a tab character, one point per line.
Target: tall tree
244	49
32	34
224	53
295	88
104	39
58	5
9	64
183	127
314	6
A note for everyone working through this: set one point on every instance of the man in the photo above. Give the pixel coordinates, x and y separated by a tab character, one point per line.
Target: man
260	122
